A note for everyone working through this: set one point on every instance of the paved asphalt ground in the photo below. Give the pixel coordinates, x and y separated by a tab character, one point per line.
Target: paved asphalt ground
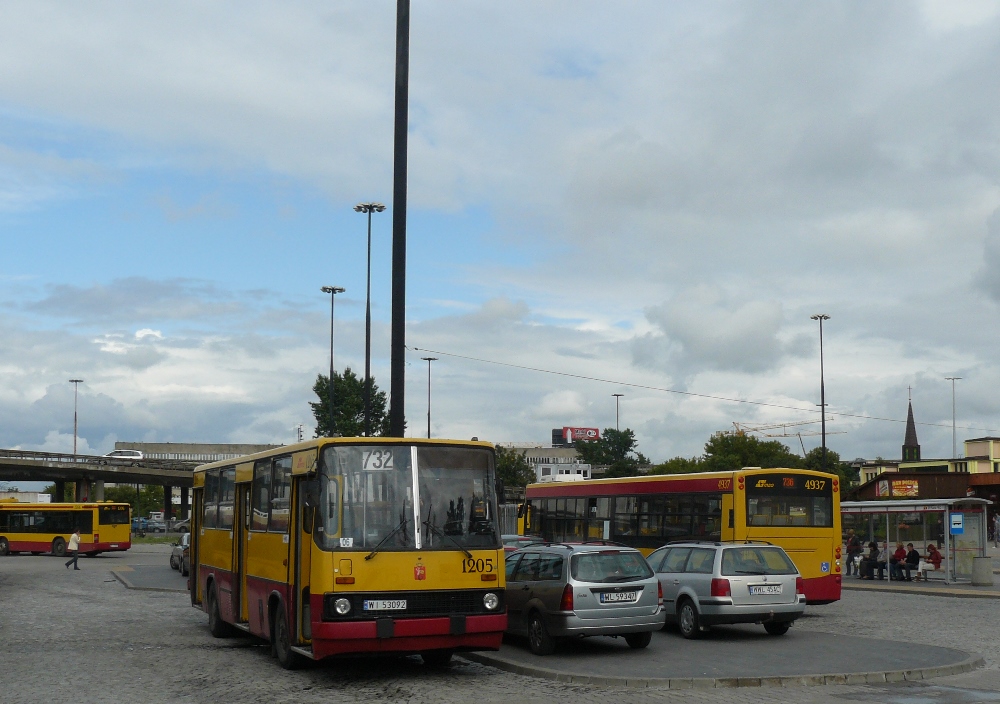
84	637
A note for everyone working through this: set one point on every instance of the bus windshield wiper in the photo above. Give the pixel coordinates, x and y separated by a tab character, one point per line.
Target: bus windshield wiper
383	541
440	532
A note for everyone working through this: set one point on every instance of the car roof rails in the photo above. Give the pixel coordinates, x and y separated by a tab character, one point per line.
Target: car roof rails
606	542
546	544
692	540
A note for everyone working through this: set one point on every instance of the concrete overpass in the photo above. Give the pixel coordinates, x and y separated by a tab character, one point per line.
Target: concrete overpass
89	473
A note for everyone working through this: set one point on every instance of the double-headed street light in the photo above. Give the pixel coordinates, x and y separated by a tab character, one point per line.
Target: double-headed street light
954	437
429	360
822	386
333	291
368	208
76	386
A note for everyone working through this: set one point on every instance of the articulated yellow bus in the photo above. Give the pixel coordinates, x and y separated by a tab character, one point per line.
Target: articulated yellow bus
38	528
797	509
352	545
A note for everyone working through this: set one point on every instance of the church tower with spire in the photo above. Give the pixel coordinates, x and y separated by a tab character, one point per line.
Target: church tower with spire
911	448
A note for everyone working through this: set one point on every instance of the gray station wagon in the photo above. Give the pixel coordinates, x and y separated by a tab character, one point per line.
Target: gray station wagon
557	590
719	583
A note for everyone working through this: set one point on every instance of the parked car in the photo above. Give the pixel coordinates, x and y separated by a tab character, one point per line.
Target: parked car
705	584
182	526
186	557
140	525
156	526
513	542
177	554
557	590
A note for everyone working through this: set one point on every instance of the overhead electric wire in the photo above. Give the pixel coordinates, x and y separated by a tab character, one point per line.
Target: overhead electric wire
684	393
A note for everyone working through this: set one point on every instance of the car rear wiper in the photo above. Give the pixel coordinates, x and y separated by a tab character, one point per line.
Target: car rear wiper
385	539
440	532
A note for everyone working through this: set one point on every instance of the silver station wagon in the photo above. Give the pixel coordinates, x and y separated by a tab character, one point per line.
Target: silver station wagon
560	590
705	584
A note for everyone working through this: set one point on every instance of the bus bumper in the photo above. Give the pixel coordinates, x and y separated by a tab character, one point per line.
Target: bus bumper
410	635
822	590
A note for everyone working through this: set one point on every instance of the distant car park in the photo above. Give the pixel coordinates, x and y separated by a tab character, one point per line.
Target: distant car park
156	527
705	584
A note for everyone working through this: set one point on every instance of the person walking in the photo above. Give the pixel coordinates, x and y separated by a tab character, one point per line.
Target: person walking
996	529
74	548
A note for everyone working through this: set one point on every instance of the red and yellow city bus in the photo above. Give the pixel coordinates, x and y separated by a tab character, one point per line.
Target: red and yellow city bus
38	528
352	545
794	508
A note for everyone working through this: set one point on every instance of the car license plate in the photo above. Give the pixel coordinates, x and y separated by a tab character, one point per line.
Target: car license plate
619	597
385	605
765	589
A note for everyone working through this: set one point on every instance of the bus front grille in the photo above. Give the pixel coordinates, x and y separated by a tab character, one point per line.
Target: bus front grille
465	602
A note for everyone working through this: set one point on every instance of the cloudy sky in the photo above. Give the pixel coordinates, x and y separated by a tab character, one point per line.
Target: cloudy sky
644	197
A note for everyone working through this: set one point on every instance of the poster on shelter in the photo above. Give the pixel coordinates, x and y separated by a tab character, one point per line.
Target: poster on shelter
882	488
905	487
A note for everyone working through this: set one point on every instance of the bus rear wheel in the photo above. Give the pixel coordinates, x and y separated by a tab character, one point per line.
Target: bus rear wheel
4	547
59	547
282	641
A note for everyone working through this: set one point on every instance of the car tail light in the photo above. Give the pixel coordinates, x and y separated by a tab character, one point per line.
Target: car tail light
659	592
566	603
720	587
800	585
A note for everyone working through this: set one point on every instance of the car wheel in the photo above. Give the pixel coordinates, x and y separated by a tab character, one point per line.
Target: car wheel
184	569
539	640
183	530
437	658
173	562
218	627
638	641
59	547
687	620
282	645
4	547
777	629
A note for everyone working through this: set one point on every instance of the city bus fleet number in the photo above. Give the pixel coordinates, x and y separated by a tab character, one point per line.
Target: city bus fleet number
815	484
472	565
725	484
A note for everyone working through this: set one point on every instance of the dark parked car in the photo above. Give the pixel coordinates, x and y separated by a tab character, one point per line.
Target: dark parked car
177	555
715	583
557	590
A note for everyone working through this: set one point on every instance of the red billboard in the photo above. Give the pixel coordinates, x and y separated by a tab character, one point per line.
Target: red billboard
574	434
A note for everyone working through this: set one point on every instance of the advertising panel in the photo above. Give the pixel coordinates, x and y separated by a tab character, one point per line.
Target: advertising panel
882	488
905	487
574	434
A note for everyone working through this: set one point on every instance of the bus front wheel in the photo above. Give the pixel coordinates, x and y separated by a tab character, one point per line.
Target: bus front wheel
59	547
287	658
217	627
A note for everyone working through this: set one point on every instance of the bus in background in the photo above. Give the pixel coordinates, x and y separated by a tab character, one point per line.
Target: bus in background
38	528
352	545
795	508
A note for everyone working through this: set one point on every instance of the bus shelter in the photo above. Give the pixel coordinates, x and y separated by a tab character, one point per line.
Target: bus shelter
956	526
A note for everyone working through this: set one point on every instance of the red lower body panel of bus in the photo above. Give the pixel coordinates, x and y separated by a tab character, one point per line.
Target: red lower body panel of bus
408	635
85	548
822	590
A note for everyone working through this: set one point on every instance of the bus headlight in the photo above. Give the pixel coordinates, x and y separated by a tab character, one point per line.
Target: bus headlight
342	606
491	601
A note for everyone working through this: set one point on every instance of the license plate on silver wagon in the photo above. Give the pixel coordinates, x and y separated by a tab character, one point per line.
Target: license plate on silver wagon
619	597
765	589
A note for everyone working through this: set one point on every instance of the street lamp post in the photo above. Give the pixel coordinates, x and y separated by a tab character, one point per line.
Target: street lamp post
429	360
954	437
822	387
617	397
333	291
368	208
76	386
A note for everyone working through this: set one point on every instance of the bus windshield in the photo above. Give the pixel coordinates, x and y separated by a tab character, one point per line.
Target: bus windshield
368	498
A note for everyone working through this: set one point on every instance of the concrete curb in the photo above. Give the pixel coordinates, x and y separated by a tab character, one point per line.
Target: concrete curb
117	574
923	591
971	663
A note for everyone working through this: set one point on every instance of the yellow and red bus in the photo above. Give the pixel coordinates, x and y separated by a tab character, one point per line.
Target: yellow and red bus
352	545
38	528
794	508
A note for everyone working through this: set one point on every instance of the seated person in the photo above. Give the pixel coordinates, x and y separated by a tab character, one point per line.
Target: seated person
934	557
910	563
897	559
871	562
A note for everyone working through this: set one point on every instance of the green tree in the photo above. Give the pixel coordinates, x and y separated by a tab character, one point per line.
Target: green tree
727	452
349	406
68	493
678	465
512	468
615	449
847	473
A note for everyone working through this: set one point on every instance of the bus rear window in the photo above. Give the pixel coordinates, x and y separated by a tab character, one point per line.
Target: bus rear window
789	500
113	515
